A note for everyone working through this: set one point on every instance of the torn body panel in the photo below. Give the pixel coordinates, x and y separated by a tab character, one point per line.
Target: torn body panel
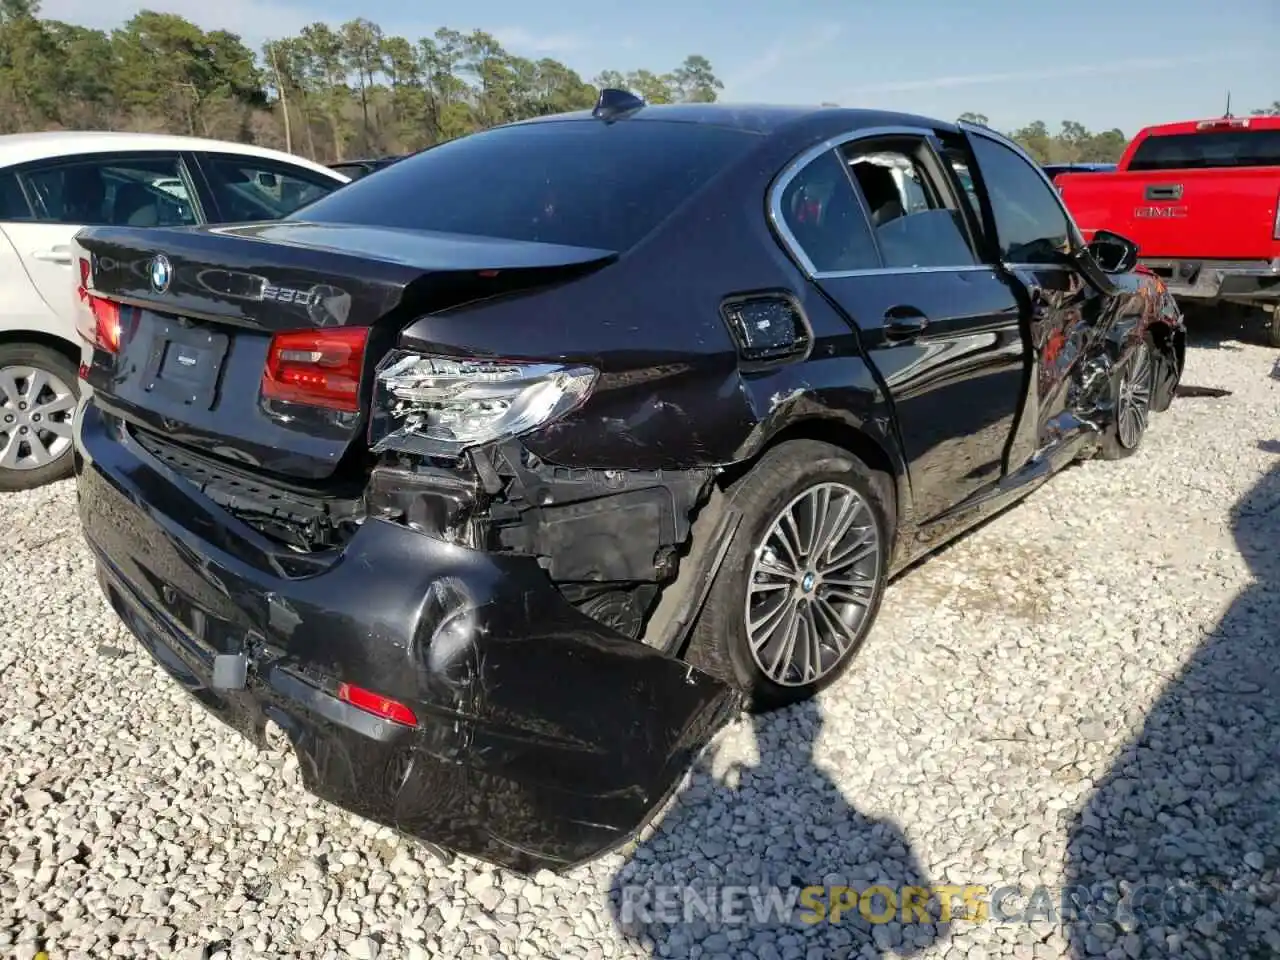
607	539
479	647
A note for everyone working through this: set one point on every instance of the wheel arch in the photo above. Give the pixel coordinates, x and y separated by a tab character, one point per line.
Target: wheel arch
882	457
36	338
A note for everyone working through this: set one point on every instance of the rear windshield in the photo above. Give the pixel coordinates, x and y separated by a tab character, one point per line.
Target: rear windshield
581	183
1190	151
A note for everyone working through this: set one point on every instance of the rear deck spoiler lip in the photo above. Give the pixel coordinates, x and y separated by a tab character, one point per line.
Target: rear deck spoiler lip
469	251
289	263
396	247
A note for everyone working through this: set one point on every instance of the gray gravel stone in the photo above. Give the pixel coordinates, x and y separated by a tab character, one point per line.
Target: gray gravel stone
1083	688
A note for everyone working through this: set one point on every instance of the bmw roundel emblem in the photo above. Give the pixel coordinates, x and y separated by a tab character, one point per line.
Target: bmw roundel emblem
161	272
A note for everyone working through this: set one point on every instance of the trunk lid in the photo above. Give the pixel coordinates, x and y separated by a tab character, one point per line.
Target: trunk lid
201	306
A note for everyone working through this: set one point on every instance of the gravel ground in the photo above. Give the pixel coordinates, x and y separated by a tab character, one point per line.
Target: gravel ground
1083	691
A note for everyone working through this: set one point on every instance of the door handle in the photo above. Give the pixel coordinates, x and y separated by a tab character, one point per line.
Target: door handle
904	323
54	255
1163	191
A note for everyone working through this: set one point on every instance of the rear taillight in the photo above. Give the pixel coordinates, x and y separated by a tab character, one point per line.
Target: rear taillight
98	319
376	704
319	368
1275	227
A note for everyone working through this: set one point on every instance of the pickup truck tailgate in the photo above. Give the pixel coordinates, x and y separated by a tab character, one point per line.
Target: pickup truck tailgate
1214	214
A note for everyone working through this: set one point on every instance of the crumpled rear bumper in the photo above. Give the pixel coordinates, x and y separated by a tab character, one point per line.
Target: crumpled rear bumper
542	738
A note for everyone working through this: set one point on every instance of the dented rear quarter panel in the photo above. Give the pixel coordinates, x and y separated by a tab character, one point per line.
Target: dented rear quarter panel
671	392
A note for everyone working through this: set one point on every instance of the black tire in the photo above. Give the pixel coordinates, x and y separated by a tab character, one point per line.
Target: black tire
1123	440
51	362
1273	327
1168	374
719	643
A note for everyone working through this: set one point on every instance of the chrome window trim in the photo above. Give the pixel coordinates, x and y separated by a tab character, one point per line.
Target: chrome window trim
1037	267
793	169
890	271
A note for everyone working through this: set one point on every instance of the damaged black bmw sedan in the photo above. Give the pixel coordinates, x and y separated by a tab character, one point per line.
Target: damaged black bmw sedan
498	481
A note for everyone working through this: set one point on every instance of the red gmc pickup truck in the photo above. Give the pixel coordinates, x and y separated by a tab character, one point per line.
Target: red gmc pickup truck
1201	199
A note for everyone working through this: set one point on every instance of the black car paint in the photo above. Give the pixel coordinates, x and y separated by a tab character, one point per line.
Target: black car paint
548	735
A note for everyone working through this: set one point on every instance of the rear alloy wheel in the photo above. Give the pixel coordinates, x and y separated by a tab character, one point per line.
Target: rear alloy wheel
803	576
1133	388
38	393
812	581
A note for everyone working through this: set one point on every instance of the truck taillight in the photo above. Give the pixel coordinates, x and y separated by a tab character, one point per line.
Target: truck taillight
319	368
1275	231
1223	123
98	319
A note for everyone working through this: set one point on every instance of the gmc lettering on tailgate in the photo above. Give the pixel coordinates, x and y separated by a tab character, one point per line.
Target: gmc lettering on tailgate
1160	213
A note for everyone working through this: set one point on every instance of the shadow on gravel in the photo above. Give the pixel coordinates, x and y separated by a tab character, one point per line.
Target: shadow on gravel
728	866
1224	326
1186	824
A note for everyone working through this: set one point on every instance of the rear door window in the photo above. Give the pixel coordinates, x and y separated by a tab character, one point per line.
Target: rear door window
250	188
581	183
916	224
820	210
1221	148
150	191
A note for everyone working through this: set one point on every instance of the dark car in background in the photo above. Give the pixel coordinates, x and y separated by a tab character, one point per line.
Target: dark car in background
356	169
1054	170
500	505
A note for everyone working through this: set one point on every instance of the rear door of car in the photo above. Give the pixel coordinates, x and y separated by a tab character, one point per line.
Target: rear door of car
67	193
242	187
942	327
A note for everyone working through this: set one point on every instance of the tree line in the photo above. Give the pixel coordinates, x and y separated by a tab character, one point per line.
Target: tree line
334	93
328	93
1074	143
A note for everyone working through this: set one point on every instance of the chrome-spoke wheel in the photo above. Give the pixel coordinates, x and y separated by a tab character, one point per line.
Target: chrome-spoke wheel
1133	405
814	577
36	411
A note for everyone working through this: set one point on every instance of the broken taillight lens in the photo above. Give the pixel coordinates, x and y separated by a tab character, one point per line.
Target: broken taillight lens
376	704
98	320
319	368
444	405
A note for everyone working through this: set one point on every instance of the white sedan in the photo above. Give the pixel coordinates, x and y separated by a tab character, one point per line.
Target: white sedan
52	184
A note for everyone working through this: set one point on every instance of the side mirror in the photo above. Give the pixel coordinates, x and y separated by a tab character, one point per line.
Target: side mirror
1113	253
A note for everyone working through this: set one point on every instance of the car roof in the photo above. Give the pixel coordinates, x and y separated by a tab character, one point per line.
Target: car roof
16	148
761	118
